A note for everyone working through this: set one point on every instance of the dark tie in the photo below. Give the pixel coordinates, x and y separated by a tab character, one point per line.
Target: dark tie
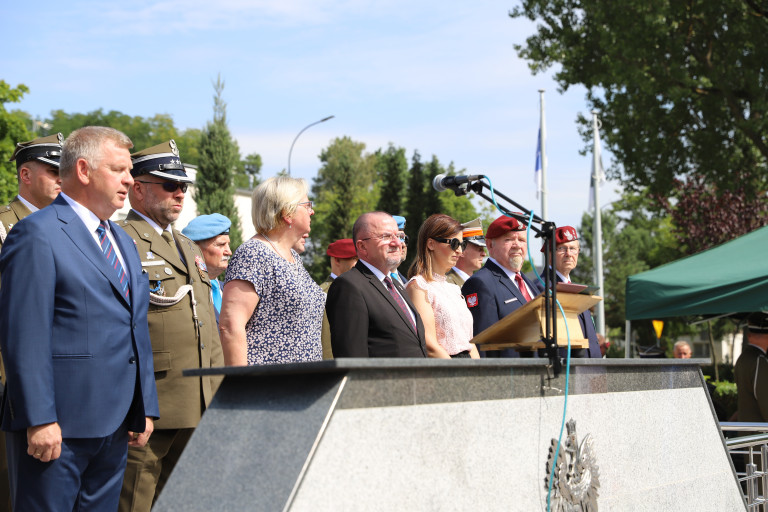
111	255
521	285
399	300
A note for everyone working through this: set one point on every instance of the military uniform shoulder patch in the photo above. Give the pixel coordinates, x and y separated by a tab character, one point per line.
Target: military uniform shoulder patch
471	300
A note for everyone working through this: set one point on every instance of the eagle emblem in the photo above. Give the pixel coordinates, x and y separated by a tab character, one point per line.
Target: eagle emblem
471	300
576	477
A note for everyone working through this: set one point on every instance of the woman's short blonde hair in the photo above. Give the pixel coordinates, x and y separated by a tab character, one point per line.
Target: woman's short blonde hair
274	198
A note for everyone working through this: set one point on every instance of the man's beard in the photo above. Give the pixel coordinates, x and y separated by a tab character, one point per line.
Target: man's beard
516	262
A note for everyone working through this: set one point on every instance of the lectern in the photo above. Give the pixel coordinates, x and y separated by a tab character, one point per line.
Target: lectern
524	328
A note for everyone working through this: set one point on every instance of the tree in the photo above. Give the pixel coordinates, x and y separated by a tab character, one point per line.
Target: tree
13	129
432	198
680	85
343	189
248	172
143	132
391	169
219	155
704	218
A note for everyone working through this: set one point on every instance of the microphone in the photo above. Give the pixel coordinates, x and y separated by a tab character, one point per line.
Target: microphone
443	182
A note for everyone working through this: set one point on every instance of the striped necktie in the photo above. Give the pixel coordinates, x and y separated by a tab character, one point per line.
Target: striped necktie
112	259
399	300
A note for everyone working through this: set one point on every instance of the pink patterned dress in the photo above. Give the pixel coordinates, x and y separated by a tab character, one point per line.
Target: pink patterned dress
453	321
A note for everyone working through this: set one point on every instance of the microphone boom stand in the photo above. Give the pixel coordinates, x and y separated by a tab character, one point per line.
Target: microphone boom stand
546	231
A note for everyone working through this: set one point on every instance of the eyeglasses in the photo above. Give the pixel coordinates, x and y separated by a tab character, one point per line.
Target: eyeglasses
168	186
455	243
564	250
387	238
309	205
403	237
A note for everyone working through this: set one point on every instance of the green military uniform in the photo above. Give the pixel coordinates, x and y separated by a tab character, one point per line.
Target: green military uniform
455	278
182	329
325	336
10	215
184	335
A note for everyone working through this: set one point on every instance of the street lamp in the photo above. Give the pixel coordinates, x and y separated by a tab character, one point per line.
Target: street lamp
297	136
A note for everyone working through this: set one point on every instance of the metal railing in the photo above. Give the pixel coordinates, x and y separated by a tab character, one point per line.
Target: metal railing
749	454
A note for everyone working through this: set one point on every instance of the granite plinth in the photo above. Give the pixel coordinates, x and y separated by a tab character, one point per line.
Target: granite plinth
450	435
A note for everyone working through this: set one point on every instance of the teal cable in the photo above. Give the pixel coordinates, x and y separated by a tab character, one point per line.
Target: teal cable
568	334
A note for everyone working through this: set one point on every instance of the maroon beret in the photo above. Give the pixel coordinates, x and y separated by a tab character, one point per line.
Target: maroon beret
342	249
503	225
564	235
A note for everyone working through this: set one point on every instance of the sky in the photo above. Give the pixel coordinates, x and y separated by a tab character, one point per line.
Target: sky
441	77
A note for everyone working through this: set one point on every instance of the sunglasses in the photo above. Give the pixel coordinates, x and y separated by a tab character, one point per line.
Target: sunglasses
168	186
455	243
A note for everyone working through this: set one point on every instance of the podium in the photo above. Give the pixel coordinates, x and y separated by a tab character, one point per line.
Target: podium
453	435
524	328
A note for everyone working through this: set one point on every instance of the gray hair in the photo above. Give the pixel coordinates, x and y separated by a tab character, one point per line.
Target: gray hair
275	197
86	143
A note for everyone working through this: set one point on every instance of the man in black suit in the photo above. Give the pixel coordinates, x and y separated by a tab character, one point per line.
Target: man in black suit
499	288
370	316
566	259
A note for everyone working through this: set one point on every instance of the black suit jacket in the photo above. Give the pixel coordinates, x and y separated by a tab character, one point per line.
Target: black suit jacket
367	322
491	295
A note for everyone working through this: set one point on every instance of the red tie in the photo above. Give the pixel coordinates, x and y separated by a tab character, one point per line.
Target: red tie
521	285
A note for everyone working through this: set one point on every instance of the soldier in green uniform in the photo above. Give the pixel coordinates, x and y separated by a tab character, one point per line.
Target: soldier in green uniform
752	371
182	323
37	168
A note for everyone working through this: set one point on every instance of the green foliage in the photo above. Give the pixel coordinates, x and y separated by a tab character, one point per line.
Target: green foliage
344	188
13	129
423	200
248	173
143	132
219	156
391	170
680	85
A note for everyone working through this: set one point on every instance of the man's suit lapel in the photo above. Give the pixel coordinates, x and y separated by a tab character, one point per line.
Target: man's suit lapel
130	255
76	231
505	280
380	288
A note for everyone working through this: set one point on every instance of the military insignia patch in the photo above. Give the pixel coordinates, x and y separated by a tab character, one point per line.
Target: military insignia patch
201	267
471	300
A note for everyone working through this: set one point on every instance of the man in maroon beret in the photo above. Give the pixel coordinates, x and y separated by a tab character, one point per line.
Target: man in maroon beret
499	288
566	258
343	257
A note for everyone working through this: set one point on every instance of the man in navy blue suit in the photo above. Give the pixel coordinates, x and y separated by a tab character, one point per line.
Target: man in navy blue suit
73	331
566	259
500	288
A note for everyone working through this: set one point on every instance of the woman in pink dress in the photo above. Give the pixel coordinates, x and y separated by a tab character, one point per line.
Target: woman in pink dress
447	321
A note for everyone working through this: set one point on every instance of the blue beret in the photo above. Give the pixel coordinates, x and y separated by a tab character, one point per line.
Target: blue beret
400	221
204	227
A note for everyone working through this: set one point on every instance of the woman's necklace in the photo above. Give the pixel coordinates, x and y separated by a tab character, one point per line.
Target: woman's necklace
275	248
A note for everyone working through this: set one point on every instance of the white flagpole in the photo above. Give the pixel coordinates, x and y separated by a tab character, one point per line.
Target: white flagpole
542	140
597	232
543	148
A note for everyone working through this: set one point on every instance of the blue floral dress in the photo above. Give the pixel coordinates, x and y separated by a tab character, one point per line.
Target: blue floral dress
285	326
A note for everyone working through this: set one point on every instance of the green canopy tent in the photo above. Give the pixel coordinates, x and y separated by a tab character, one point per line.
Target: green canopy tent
730	278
